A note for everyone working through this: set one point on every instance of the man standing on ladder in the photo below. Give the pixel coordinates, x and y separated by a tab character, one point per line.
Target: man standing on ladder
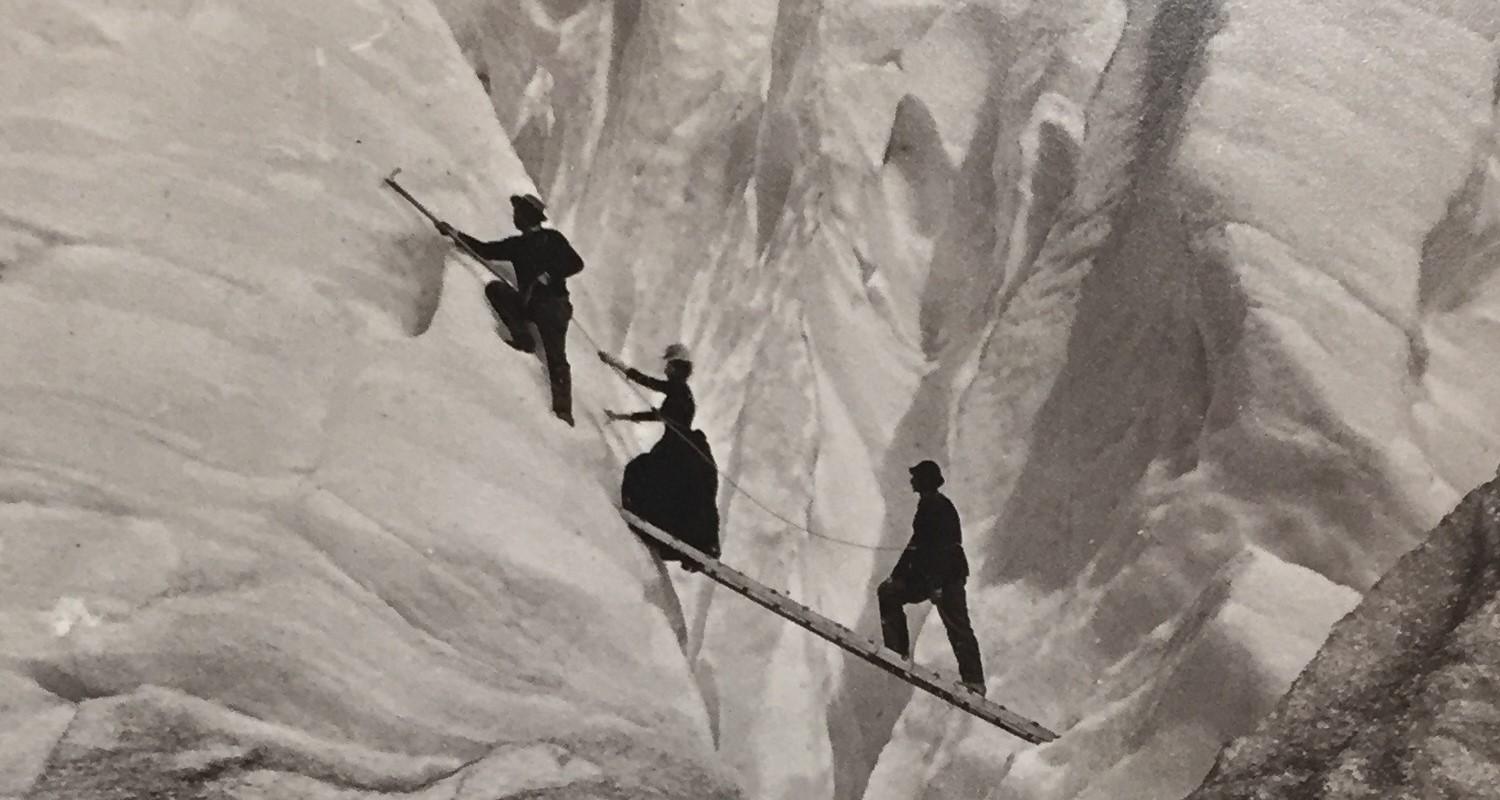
538	308
933	567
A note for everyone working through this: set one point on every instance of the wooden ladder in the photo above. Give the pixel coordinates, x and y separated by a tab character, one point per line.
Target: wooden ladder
907	670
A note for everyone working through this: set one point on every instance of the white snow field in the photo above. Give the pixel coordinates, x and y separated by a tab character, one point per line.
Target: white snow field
1193	301
282	516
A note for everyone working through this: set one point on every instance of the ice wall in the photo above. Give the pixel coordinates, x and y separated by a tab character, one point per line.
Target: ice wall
1221	348
1193	301
282	517
1191	298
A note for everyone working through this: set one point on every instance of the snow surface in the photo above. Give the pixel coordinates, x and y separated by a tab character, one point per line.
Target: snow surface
282	515
1193	301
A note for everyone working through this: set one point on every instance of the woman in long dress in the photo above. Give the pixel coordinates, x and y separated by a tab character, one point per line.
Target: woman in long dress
674	485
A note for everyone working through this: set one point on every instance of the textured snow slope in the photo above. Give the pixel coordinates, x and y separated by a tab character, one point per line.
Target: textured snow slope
1244	364
282	516
1192	298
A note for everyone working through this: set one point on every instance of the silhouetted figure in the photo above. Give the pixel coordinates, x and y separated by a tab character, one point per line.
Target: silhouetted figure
674	485
677	408
543	260
933	567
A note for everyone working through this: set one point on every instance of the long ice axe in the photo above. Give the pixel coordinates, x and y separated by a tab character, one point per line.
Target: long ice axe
390	180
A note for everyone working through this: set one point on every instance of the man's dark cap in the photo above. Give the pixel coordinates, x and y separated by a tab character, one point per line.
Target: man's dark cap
531	203
927	469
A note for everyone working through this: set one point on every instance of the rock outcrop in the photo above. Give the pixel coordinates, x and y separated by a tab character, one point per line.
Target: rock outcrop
1402	701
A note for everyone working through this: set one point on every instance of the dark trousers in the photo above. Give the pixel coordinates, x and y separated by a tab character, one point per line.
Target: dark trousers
952	606
551	316
542	322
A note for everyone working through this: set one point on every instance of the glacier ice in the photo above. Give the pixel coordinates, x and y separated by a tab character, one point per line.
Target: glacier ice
1193	300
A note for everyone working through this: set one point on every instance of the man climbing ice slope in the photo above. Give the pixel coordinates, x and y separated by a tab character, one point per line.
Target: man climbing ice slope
538	309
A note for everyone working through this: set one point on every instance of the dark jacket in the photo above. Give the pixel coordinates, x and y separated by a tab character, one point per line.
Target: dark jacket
676	410
533	253
935	555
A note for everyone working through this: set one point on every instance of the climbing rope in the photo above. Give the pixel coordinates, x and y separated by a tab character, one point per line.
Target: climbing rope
390	181
735	485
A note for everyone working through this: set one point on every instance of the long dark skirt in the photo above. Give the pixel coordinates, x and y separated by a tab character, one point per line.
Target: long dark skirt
674	486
